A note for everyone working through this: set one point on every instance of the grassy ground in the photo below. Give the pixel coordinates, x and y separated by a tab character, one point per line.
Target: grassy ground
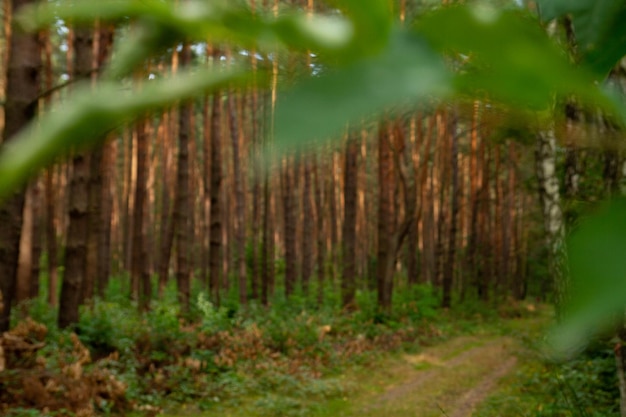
450	378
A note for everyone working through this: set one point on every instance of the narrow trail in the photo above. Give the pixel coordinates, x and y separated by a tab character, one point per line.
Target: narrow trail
448	380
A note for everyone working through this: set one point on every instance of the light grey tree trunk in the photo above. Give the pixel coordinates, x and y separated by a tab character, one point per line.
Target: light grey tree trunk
552	213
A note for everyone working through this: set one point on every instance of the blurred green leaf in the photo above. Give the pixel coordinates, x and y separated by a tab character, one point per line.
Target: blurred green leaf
90	114
372	20
406	72
597	254
158	25
599	28
505	55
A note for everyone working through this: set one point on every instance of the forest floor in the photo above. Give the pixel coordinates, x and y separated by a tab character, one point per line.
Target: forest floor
449	379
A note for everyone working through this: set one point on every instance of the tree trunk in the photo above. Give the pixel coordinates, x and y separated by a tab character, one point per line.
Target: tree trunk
386	256
308	227
240	218
139	268
321	235
348	276
289	213
215	249
553	217
24	65
76	250
182	208
25	263
448	272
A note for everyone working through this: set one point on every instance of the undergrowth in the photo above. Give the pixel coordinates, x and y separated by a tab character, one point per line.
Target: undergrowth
281	360
585	386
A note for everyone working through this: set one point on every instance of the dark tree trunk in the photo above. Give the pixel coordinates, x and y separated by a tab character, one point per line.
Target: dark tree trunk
216	242
182	209
321	235
289	213
24	64
348	276
386	257
307	228
240	218
76	250
139	267
448	272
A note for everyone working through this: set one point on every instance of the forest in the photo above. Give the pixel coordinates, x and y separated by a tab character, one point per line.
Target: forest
312	208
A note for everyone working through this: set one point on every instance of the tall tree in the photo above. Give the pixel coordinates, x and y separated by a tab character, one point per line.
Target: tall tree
76	250
386	257
348	276
290	219
448	272
216	238
140	276
182	208
240	209
23	72
550	199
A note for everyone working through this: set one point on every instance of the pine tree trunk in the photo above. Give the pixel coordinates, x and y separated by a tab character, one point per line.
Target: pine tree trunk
386	256
308	226
240	218
182	208
348	276
25	263
24	64
289	213
448	272
76	251
216	239
139	268
321	235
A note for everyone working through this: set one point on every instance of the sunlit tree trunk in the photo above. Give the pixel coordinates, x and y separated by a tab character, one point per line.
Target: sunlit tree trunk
25	263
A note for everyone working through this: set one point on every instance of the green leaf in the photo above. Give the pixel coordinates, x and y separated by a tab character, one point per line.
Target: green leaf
599	28
406	72
506	55
90	114
596	253
373	23
158	25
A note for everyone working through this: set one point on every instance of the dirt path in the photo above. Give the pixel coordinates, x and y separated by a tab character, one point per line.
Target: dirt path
449	380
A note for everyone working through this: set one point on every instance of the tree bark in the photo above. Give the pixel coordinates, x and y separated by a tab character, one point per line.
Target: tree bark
140	276
76	250
240	218
216	242
553	216
348	276
182	209
448	272
386	256
24	64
